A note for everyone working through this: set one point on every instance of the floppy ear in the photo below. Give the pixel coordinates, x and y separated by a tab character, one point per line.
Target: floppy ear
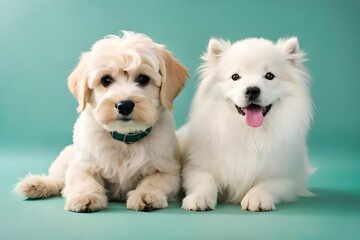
216	48
292	50
77	82
174	77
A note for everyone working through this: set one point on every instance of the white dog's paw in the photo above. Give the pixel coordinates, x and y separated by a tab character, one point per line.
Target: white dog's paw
146	201
85	202
257	201
195	202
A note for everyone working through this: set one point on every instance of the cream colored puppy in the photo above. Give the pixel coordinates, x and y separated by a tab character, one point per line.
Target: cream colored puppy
124	138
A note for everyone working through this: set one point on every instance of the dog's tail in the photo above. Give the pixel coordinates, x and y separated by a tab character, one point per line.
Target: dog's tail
41	186
305	192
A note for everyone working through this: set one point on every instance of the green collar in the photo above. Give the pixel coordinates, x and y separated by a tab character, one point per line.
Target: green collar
130	137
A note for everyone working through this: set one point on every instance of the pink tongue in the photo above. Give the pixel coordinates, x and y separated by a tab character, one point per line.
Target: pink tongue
254	116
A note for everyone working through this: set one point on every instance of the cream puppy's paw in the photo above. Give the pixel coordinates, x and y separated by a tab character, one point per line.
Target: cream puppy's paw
257	201
85	202
145	201
198	202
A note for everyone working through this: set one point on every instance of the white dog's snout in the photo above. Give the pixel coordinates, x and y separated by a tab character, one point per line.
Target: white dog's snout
252	93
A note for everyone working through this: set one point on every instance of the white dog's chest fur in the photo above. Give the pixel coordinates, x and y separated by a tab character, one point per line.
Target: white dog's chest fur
239	157
121	166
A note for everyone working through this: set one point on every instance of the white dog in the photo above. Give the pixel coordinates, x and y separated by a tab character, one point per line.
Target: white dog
124	138
245	141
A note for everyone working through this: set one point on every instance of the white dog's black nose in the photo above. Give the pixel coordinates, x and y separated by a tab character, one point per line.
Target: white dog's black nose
125	107
252	93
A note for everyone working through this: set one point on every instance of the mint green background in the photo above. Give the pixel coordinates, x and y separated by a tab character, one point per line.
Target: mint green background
40	42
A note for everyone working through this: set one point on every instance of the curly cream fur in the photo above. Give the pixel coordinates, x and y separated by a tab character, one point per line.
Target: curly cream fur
98	168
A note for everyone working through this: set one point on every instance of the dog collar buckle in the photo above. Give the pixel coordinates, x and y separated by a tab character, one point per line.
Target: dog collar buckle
124	139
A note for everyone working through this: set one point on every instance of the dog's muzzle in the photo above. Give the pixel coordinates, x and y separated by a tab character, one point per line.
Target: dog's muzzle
125	108
253	112
252	93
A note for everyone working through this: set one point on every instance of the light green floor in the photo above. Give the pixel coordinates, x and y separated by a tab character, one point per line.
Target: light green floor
333	214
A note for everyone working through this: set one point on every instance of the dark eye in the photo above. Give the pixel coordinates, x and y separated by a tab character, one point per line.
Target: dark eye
106	81
142	80
235	77
269	76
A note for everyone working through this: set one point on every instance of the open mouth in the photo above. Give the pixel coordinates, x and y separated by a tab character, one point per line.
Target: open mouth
254	114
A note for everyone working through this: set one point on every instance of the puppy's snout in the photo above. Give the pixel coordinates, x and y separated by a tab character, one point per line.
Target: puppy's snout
125	107
252	93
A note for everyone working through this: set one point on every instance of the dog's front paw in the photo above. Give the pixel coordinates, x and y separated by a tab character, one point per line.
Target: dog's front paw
85	202
145	201
257	201
195	202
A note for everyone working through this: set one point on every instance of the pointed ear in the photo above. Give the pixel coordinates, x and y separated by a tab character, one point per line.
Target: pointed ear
77	82
174	77
291	47
216	48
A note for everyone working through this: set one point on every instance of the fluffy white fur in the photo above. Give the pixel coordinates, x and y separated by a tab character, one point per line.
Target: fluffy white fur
98	168
229	161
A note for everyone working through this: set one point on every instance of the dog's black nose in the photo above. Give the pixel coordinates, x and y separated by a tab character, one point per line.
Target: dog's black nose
252	93
125	107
